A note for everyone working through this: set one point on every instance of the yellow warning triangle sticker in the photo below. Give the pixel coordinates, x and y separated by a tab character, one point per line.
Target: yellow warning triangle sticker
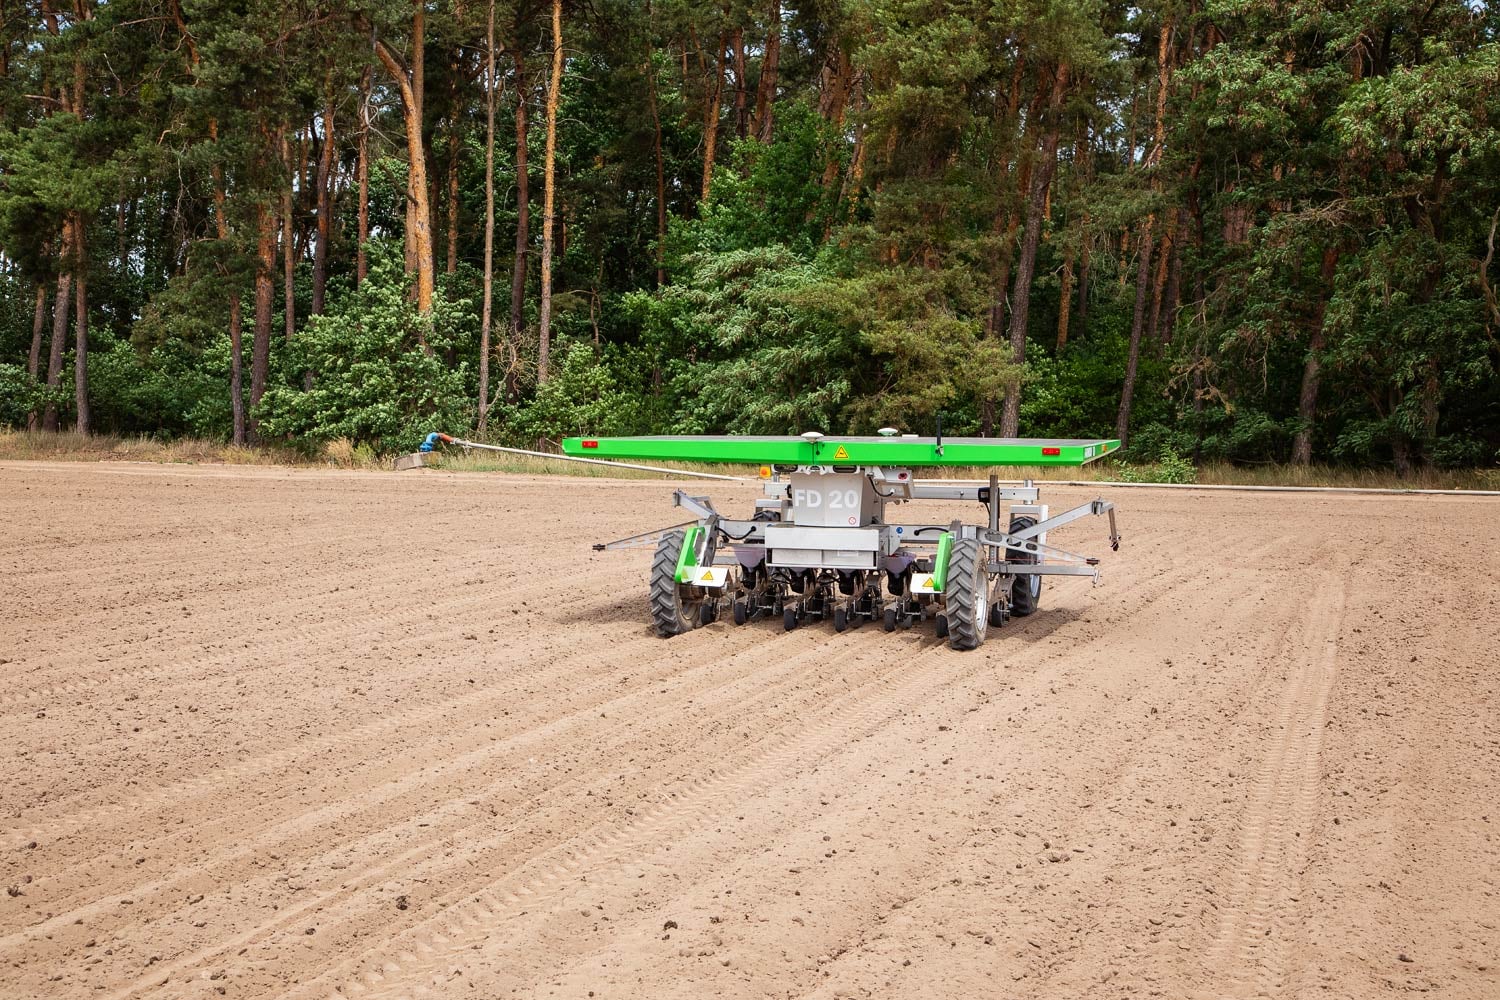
925	581
708	576
841	452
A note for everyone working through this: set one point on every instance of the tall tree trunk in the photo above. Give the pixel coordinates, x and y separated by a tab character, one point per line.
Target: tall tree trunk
452	233
455	73
417	150
236	319
361	258
34	358
1173	293
62	302
419	211
1086	244
711	123
1036	202
661	176
81	333
265	295
1165	248
240	432
288	248
1137	328
485	315
325	206
38	327
741	120
765	91
1312	368
1065	300
523	235
549	196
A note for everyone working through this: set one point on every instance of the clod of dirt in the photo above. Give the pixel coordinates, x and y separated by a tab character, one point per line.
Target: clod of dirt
1403	957
670	925
402	902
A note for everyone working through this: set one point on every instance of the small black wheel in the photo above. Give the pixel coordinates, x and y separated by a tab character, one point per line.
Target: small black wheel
890	619
1026	590
709	613
942	626
997	614
789	619
1025	593
741	611
840	619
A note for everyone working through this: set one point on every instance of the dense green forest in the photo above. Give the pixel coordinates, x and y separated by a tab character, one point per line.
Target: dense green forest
1250	230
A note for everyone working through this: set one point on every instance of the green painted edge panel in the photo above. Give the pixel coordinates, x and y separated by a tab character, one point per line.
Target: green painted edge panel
843	451
688	557
940	563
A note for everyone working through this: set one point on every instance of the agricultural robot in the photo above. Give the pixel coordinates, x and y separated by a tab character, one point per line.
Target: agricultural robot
824	541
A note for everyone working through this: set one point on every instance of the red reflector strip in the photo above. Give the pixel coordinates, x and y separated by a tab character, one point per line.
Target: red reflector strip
1051	451
591	444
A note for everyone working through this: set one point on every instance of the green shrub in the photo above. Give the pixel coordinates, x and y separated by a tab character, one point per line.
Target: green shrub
382	378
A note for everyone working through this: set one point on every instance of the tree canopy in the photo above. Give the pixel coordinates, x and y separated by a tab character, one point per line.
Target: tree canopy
1229	229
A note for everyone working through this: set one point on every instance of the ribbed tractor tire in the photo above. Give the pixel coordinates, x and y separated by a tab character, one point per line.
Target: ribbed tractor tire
967	601
667	611
1026	590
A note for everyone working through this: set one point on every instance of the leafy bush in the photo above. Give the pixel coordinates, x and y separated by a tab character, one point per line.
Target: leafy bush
1169	468
580	397
382	379
20	394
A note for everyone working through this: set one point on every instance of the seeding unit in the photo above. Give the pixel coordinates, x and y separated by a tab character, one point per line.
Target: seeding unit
820	543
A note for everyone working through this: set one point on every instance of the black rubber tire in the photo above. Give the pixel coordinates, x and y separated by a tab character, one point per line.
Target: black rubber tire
1025	593
708	613
668	613
741	611
942	626
966	595
1026	590
997	615
890	619
788	619
840	619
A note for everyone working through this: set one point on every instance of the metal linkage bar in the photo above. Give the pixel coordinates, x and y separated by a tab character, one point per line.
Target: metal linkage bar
1057	521
700	507
1002	539
1042	569
946	491
643	540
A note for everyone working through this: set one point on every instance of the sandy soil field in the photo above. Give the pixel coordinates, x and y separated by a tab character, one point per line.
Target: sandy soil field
274	733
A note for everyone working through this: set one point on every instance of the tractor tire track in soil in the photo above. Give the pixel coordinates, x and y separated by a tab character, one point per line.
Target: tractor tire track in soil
309	735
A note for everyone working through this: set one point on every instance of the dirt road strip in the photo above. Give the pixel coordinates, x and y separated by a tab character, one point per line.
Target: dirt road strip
285	733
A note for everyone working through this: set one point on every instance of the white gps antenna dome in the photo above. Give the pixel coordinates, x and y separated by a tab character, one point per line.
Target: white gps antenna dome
888	432
812	435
